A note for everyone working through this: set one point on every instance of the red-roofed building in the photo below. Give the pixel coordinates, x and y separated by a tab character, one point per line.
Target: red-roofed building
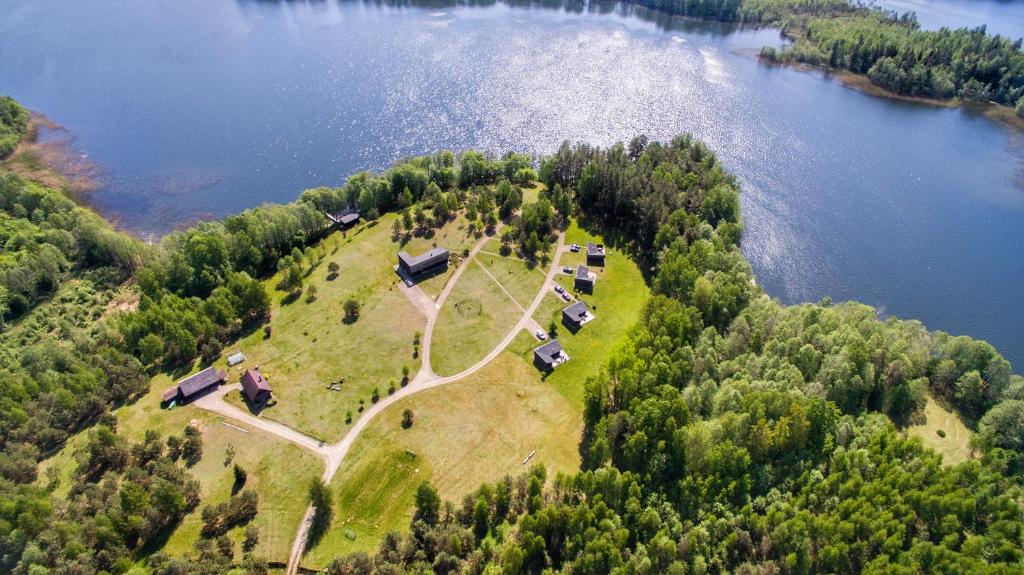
255	387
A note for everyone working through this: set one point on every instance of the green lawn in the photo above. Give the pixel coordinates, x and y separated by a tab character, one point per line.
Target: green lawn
618	299
465	433
532	193
955	446
474	319
310	347
520	279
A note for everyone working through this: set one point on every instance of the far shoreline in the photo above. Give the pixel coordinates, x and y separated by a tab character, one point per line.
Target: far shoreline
997	113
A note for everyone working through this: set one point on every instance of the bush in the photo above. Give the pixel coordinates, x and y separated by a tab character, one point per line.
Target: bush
351	311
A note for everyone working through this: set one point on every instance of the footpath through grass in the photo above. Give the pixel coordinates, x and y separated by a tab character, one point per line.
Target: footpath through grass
311	347
478	313
455	236
465	433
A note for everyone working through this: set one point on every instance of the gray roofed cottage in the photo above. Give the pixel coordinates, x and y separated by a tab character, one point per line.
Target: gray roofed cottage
595	254
549	355
584	279
577	314
433	260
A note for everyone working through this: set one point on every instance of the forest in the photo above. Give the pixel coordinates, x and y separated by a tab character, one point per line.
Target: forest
732	434
727	433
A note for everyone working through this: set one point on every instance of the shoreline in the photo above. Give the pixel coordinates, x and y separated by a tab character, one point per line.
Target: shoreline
46	156
52	160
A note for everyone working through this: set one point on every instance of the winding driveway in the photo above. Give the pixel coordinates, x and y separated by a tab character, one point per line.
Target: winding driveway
334	454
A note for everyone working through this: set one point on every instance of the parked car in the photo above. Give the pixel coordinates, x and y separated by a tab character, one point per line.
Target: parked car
566	296
559	289
541	335
567	270
574	248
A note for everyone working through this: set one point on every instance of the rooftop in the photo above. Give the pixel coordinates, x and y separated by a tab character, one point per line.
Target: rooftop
595	249
550	350
253	383
425	257
200	381
550	354
577	310
582	272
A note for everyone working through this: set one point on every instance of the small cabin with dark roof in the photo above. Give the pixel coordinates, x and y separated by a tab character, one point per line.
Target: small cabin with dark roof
575	315
344	220
195	385
595	254
435	260
549	355
255	386
584	279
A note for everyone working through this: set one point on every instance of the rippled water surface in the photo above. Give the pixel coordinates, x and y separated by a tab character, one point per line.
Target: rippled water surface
200	108
1005	17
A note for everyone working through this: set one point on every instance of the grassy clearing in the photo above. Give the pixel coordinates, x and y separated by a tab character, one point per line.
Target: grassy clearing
520	278
955	446
618	299
378	498
277	471
465	433
310	347
532	193
474	319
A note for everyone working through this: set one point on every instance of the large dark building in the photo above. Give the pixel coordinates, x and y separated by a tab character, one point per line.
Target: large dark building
255	386
595	254
433	261
584	279
195	385
575	315
549	355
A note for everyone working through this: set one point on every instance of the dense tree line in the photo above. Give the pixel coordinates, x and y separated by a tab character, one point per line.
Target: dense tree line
731	434
13	125
897	56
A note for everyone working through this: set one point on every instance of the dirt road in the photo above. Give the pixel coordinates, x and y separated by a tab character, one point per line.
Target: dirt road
334	454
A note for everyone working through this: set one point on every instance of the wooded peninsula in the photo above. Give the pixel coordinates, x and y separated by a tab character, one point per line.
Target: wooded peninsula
724	432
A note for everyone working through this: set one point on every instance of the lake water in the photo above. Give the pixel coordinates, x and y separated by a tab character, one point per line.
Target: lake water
200	108
1004	17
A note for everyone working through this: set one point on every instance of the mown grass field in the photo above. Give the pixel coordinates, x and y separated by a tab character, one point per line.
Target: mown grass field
474	319
519	278
465	433
955	446
618	299
311	347
277	471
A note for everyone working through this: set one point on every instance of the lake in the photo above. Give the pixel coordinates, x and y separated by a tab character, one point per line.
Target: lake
201	108
1004	17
